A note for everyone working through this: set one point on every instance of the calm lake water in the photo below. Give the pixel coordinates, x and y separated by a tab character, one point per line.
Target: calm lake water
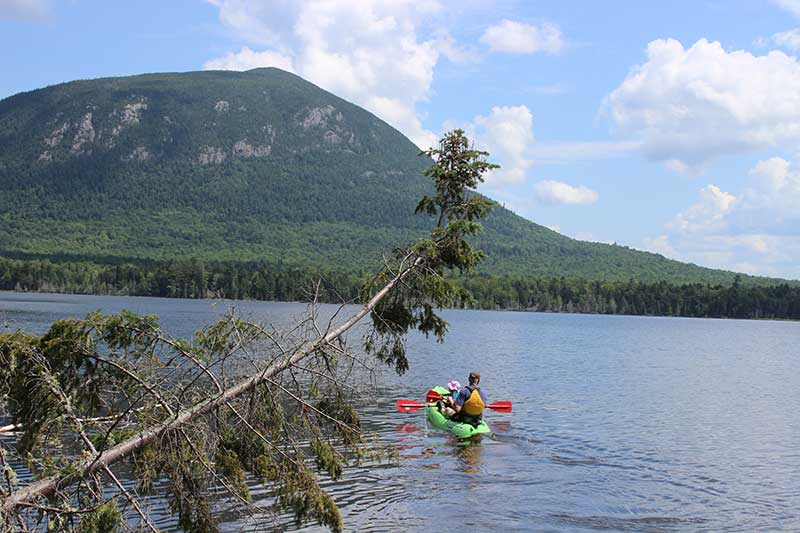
619	423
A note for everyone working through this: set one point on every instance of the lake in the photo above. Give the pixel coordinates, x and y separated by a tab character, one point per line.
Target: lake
620	423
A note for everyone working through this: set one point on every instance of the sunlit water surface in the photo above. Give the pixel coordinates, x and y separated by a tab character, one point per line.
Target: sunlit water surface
619	423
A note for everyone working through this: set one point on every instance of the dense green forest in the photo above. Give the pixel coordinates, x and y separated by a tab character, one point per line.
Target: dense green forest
263	281
248	167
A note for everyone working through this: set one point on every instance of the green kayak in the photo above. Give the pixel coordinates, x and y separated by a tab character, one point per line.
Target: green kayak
461	430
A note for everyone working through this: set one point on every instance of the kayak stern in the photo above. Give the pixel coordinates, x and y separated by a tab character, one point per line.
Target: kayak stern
462	430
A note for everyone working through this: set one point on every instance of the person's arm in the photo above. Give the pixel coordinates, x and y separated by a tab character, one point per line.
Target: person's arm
459	401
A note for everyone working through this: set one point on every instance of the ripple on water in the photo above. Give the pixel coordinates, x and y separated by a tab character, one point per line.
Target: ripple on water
646	524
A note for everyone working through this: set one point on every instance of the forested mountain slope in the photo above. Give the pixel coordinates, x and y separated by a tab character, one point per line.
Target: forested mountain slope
258	165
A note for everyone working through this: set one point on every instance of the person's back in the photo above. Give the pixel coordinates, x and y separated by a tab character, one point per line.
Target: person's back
471	401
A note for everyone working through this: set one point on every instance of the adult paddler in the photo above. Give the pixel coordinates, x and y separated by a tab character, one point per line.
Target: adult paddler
469	403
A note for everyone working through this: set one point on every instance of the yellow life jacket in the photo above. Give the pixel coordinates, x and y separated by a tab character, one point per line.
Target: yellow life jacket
474	405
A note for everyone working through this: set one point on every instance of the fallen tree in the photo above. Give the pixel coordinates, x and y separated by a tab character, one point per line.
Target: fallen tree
235	401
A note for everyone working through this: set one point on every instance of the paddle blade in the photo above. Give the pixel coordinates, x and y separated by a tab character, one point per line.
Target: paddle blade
503	406
432	396
405	406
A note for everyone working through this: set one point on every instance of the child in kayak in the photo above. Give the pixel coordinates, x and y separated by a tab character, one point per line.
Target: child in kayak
454	387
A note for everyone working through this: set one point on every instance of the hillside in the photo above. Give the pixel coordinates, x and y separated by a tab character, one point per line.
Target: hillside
257	165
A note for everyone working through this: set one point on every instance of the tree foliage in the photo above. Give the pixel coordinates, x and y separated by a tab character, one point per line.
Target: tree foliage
106	379
564	295
456	170
264	281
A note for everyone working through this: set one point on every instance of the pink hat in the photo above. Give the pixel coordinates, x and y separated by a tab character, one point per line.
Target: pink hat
454	385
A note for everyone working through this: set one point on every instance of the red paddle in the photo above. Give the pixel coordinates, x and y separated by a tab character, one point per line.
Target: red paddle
432	396
405	406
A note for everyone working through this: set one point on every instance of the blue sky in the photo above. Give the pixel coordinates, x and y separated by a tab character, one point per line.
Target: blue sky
671	127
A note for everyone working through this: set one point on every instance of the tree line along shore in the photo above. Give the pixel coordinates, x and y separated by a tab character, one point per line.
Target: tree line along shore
197	278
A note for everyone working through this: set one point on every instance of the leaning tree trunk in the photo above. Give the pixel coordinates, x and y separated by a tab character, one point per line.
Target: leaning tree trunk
49	486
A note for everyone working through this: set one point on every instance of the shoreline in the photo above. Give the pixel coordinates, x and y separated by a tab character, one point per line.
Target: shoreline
498	309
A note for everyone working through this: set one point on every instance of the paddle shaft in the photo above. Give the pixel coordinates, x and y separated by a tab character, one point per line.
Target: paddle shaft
407	406
503	406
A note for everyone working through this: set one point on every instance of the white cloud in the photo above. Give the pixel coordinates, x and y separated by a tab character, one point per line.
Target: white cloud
771	203
756	231
454	53
691	105
24	9
367	51
519	38
792	6
507	134
661	245
557	192
706	215
246	59
757	243
757	254
679	167
788	39
774	186
260	22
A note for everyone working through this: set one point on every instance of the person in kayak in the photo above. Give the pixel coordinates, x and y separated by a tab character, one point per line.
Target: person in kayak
468	404
445	403
454	387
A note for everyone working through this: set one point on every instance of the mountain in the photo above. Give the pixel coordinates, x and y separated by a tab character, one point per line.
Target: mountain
257	165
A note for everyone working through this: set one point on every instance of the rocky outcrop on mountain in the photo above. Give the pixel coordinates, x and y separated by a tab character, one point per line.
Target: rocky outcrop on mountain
319	117
211	155
244	149
84	135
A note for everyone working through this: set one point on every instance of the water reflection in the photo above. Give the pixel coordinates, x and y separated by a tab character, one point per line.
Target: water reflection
407	428
501	426
468	453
